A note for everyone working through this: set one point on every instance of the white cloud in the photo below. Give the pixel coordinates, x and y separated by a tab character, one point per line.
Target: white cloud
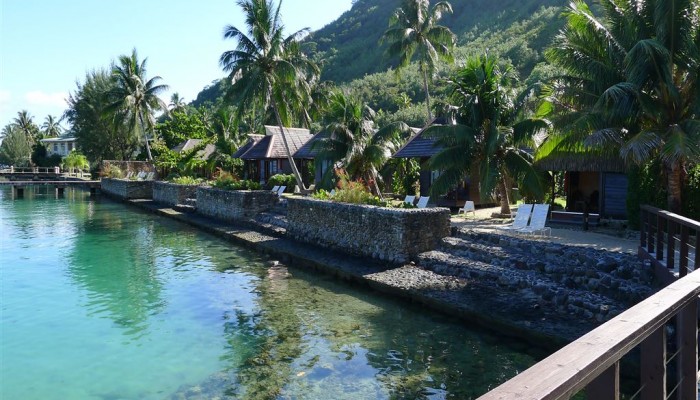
40	98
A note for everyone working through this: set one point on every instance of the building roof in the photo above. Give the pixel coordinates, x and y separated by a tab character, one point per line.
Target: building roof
190	144
418	146
271	146
252	140
63	139
307	151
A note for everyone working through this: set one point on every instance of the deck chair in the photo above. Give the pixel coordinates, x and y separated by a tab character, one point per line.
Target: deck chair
141	176
332	193
468	208
150	176
129	174
409	199
537	221
275	189
423	202
281	190
521	218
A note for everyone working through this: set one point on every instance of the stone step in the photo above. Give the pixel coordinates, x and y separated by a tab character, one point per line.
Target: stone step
184	208
273	219
191	202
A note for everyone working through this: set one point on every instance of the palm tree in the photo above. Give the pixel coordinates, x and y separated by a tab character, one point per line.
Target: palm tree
352	143
136	98
268	70
490	134
632	83
25	123
413	28
51	126
177	103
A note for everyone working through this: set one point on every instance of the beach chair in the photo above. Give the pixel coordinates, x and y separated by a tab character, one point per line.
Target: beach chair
281	190
423	202
332	193
409	199
275	189
521	218
537	221
141	175
129	174
468	208
150	176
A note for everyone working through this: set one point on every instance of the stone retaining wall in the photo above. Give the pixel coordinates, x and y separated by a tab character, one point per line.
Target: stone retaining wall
173	194
389	234
234	205
127	189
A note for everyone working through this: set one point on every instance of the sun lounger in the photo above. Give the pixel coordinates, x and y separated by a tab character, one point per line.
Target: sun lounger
275	189
129	174
423	201
141	176
538	220
281	190
332	192
468	208
409	199
150	176
521	218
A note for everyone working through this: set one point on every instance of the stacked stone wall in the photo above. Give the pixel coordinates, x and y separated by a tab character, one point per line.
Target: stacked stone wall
173	194
234	205
389	234
125	189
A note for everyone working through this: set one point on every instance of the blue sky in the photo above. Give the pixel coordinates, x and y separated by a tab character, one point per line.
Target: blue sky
46	46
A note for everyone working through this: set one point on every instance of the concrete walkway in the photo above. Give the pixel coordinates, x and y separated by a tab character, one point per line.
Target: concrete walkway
483	222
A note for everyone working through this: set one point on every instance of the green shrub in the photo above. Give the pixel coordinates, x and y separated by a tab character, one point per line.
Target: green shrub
113	171
186	180
282	180
645	186
353	193
228	181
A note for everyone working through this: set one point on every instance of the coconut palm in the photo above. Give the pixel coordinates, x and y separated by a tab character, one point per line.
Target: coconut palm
25	123
490	135
353	144
268	71
51	127
632	83
177	103
413	29
136	98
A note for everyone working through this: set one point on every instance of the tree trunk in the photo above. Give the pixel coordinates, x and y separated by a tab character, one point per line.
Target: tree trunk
295	171
505	202
427	93
145	138
674	184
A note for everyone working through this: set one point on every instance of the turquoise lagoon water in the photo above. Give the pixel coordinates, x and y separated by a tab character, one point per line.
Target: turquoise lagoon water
101	301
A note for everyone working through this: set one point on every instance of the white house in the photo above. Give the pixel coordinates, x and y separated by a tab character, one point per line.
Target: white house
60	145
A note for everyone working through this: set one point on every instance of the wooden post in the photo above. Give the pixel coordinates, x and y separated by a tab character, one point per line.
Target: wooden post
606	386
653	366
683	258
688	351
643	220
659	237
670	244
650	237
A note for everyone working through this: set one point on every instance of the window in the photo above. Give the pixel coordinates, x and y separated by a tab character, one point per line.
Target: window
55	147
273	167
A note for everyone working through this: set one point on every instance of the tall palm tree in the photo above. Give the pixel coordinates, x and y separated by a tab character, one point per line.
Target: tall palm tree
177	103
25	123
632	83
413	29
490	135
135	99
352	142
51	127
268	70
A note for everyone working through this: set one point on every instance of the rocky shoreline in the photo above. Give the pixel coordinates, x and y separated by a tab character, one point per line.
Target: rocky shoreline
543	293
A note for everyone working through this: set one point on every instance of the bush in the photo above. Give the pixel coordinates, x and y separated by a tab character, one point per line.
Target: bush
228	181
186	180
353	193
645	186
282	180
113	171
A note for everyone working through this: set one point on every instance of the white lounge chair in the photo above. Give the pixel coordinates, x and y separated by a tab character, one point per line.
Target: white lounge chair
129	174
521	218
409	199
150	176
423	202
275	188
281	190
141	176
468	208
538	220
332	193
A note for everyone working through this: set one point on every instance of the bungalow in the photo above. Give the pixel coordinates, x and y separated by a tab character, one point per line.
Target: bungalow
591	183
267	156
423	148
61	145
308	153
190	144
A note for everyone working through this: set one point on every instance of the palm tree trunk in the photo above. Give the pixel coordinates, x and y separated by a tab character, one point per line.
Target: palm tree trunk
295	171
505	202
674	185
427	93
145	138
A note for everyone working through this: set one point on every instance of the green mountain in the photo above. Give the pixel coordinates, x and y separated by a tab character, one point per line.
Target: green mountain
349	52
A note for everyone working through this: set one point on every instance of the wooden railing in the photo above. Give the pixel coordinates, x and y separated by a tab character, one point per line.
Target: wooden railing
669	357
31	170
669	241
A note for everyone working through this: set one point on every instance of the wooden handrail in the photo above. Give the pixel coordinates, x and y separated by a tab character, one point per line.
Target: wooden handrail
593	360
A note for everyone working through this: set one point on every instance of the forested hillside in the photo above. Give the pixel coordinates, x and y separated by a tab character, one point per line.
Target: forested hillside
349	52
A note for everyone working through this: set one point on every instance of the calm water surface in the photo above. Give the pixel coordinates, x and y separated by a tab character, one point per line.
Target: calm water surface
101	301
